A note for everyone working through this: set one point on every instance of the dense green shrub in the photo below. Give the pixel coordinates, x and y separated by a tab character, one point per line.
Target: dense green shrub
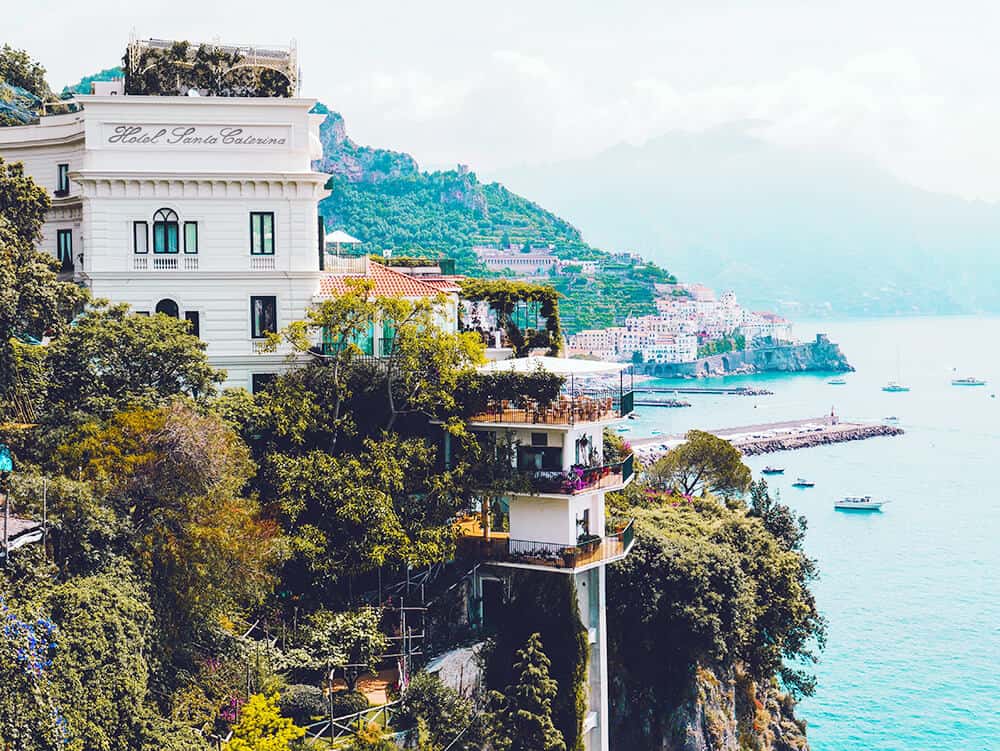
348	702
445	712
303	703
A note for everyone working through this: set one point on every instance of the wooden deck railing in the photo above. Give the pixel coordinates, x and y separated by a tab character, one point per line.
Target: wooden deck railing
504	549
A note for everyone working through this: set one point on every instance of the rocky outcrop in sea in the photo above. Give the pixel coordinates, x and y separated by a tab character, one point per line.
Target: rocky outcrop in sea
818	355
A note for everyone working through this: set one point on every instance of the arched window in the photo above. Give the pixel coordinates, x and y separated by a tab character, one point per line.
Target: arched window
168	307
165	231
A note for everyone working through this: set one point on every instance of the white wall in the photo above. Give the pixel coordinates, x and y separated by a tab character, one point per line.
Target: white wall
542	520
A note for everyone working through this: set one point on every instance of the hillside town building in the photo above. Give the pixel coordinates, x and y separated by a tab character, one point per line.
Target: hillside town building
688	316
530	261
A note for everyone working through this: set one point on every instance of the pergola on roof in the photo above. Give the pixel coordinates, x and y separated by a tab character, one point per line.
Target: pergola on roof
339	237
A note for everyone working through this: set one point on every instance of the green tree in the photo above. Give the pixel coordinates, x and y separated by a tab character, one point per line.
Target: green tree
524	718
702	464
352	513
340	321
705	585
351	641
444	712
32	302
113	359
176	476
777	518
101	667
18	69
262	728
425	363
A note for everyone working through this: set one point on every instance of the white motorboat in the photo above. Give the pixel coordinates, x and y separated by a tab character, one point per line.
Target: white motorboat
801	482
968	382
894	387
859	503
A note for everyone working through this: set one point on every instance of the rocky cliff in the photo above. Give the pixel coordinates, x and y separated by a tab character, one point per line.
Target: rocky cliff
723	711
819	355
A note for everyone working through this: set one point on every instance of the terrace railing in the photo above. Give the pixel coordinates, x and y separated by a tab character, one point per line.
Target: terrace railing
549	554
567	409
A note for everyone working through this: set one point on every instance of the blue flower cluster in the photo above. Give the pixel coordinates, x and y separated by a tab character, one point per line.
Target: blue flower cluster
31	643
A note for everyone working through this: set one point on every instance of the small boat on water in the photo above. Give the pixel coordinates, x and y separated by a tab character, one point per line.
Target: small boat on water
633	416
769	470
893	387
801	482
967	382
859	503
837	381
892	418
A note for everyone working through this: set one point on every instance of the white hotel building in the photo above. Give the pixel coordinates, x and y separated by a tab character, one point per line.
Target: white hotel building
203	208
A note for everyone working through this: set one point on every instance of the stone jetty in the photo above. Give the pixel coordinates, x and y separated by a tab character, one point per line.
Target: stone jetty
768	438
754	447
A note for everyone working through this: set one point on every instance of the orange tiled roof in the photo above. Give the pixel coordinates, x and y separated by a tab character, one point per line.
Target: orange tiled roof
443	283
388	283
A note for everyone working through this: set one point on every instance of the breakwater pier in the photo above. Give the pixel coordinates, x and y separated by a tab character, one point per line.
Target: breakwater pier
734	390
661	403
767	438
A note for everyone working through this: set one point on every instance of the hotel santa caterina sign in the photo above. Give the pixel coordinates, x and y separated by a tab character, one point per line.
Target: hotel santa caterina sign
183	137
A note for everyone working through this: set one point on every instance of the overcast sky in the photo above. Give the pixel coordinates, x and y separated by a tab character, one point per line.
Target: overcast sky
911	85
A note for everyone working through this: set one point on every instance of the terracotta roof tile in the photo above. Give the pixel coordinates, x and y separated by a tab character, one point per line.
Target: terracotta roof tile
388	283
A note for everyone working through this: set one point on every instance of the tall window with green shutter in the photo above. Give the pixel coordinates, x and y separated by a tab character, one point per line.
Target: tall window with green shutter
190	237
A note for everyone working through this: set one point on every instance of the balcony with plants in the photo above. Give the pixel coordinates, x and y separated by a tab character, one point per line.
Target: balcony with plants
580	479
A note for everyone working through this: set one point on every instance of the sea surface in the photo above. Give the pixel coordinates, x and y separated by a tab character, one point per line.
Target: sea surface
911	594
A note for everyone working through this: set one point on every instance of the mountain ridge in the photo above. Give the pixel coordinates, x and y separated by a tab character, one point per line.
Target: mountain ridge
821	232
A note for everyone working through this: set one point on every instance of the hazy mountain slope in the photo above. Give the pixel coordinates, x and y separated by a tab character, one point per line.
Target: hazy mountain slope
816	232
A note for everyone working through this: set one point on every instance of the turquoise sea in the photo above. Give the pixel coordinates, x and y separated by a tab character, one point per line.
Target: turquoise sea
912	594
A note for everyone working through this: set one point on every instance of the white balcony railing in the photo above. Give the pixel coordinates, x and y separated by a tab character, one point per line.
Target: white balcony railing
164	263
262	263
260	347
347	265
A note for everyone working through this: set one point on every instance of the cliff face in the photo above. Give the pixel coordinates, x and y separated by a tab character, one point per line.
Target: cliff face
343	157
724	711
819	355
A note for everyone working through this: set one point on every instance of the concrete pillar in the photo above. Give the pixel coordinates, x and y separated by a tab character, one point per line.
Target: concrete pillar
590	594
